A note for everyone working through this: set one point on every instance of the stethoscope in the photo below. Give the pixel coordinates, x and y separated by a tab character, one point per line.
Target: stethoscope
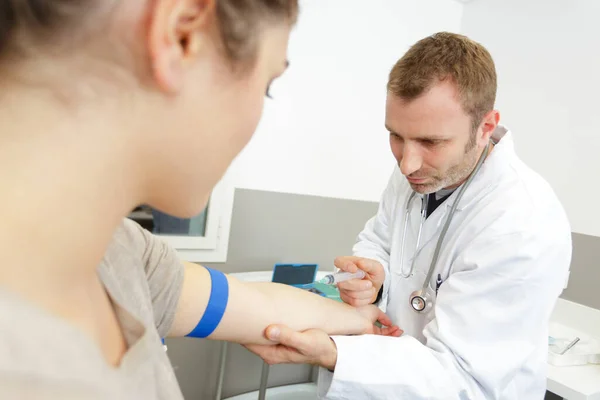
420	300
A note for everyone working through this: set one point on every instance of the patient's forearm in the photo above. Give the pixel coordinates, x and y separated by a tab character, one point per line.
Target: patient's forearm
252	306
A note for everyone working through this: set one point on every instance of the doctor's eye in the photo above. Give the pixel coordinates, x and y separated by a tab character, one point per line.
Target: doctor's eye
430	142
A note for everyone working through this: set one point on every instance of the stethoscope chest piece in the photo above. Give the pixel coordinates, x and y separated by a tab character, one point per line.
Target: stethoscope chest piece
420	301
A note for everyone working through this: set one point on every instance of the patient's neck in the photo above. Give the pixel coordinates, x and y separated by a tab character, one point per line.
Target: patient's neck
63	195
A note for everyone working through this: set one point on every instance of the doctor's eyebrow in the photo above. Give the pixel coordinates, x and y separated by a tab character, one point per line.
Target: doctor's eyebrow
423	138
391	131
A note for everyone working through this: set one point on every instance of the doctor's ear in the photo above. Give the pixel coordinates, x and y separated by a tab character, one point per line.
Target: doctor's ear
488	125
179	31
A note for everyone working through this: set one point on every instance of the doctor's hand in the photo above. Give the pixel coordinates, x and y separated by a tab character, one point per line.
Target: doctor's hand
314	346
359	292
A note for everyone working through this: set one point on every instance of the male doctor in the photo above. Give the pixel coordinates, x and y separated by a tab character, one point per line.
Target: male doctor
476	327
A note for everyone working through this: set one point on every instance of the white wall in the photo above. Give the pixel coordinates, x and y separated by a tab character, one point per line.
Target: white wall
547	54
323	134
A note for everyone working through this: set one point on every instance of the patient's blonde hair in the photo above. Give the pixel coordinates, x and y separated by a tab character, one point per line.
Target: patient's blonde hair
25	24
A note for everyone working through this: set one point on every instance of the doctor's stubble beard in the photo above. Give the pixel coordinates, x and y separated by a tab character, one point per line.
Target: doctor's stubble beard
457	174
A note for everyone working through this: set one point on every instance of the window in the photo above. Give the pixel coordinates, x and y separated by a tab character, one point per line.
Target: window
203	238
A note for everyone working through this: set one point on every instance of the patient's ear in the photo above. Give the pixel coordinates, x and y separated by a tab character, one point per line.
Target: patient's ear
179	31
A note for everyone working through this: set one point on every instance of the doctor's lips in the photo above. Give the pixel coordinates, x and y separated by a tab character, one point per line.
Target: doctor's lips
416	179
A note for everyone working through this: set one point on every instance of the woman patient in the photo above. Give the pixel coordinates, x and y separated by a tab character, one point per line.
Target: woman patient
105	105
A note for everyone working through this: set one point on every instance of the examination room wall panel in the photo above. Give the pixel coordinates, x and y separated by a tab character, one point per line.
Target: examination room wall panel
585	272
269	227
547	54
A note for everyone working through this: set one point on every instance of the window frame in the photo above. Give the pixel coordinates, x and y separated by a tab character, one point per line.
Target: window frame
214	245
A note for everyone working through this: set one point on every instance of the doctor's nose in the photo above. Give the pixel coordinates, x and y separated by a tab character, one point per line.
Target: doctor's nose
411	161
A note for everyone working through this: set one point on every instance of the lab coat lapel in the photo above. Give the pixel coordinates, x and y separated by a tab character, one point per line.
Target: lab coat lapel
430	231
413	226
433	224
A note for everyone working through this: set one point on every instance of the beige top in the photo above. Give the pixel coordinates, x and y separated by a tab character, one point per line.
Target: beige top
42	356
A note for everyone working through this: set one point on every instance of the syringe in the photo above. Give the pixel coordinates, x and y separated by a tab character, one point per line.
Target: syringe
333	279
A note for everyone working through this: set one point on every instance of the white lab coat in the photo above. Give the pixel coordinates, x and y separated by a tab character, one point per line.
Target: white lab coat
504	262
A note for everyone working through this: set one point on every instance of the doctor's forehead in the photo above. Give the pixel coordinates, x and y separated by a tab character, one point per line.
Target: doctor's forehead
436	113
415	127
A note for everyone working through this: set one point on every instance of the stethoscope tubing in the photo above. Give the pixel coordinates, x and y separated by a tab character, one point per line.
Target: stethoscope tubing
422	294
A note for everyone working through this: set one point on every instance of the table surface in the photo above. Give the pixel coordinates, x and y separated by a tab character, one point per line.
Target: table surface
580	382
575	383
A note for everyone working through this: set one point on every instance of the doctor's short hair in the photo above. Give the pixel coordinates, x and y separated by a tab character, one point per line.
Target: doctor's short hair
452	56
29	26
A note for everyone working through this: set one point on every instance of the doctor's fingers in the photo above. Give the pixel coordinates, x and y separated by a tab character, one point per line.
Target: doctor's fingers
347	263
284	335
273	354
356	285
357	299
370	266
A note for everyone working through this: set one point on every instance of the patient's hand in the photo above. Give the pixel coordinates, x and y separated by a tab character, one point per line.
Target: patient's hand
375	317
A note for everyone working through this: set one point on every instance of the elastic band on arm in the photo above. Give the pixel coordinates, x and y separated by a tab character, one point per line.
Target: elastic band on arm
217	303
